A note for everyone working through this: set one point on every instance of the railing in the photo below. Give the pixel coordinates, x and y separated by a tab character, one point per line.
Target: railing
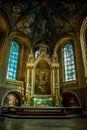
40	110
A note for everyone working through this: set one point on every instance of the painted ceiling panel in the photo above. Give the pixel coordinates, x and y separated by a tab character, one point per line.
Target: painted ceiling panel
43	20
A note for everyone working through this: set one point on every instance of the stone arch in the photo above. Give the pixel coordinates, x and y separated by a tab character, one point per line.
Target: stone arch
21	37
83	31
16	93
70	99
63	40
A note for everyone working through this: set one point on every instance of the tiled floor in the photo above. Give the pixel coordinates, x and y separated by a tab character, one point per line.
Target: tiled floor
44	124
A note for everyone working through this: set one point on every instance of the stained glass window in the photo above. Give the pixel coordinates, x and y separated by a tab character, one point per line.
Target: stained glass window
13	61
69	63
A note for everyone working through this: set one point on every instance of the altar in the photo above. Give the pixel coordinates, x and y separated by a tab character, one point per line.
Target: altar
43	102
42	79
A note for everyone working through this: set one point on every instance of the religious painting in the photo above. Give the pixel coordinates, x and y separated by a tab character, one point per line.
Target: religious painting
11	100
42	78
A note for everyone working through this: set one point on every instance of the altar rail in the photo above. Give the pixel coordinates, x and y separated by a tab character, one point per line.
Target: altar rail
43	111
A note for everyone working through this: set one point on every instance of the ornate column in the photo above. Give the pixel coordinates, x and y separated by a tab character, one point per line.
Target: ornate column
57	88
29	83
53	80
27	79
55	83
32	80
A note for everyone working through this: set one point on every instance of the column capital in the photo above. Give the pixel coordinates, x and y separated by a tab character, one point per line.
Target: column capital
29	65
55	65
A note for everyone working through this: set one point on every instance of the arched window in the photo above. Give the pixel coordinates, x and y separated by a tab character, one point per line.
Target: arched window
13	60
69	62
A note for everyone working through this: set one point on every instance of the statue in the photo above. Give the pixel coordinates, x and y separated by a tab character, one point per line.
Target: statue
43	47
31	57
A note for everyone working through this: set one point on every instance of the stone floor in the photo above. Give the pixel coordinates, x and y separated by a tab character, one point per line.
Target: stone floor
44	124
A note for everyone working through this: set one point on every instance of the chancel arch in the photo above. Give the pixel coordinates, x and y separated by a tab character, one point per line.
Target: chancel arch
83	40
52	58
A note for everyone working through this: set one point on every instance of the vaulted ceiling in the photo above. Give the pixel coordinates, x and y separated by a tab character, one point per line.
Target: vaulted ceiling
43	20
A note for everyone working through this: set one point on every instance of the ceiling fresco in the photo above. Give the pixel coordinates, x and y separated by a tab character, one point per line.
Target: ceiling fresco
43	20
